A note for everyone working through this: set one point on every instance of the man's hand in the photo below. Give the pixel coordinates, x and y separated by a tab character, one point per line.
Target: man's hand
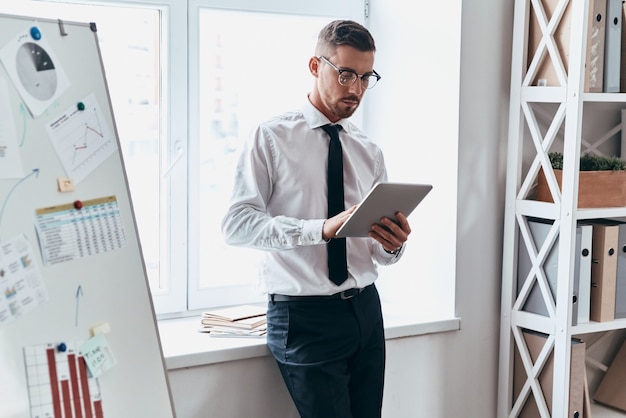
331	225
391	235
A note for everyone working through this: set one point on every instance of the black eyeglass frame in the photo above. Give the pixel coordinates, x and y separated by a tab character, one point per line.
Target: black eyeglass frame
340	71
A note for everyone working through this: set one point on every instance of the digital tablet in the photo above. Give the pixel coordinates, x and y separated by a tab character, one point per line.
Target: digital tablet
385	199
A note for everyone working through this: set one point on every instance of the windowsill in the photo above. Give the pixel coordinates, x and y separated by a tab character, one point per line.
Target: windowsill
183	346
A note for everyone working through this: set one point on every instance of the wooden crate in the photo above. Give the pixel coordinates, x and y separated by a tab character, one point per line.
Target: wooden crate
596	189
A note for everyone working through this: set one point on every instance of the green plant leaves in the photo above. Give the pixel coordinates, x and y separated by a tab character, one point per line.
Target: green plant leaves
590	162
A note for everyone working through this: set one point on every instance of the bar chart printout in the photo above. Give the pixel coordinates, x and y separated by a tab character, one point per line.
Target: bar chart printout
59	385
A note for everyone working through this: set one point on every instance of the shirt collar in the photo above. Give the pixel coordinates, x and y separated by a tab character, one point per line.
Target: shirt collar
314	118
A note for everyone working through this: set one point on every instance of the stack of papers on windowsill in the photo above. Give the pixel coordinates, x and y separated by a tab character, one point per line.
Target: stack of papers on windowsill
235	321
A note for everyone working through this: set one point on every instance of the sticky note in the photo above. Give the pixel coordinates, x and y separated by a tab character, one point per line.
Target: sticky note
101	328
98	355
65	185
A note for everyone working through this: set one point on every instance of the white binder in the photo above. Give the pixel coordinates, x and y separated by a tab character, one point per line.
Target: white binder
620	287
534	303
583	251
613	46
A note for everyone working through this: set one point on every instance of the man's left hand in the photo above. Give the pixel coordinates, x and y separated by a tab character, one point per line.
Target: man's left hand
391	234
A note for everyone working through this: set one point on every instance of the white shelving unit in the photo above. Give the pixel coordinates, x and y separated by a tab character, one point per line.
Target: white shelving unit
573	117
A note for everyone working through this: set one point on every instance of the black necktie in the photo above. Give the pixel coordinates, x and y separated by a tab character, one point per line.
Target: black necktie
337	263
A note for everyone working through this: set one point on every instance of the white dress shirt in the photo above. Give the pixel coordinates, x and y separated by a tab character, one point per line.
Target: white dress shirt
279	203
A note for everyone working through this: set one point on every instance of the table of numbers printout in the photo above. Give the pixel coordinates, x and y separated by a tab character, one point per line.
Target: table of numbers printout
80	229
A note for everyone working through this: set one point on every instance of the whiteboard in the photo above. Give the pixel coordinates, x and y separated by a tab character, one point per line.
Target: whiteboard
74	294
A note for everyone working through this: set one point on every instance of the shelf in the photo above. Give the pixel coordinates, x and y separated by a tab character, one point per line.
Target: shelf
546	325
537	94
604	97
618	213
556	114
590	327
549	210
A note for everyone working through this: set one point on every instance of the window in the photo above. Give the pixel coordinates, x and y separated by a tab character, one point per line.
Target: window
137	51
188	80
243	75
241	81
414	114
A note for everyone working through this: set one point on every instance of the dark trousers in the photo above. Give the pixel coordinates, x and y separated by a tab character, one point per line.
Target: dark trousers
331	354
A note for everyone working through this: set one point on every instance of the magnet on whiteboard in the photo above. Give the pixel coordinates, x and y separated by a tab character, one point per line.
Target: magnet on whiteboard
65	185
101	328
35	33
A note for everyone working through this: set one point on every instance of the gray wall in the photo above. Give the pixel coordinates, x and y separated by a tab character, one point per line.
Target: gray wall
443	375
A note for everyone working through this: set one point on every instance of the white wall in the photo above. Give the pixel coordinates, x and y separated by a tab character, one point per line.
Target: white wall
444	375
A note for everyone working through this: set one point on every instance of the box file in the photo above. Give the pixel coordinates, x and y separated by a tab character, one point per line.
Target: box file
535	342
546	74
594	63
612	388
604	270
582	270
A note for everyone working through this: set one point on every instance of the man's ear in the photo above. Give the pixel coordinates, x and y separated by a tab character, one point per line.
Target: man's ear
314	65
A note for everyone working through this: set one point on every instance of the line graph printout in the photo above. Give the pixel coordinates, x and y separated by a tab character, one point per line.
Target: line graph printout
67	233
82	138
59	385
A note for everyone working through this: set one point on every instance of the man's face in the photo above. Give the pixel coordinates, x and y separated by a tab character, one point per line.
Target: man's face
342	101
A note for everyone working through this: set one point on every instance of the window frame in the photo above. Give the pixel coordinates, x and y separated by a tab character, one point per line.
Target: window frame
177	112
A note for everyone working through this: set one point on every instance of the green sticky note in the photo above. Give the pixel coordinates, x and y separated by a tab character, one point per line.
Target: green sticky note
98	355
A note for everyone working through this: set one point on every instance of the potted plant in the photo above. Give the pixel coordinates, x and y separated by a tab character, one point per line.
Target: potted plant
601	181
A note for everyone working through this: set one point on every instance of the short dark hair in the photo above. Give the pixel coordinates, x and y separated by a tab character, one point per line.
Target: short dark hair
344	32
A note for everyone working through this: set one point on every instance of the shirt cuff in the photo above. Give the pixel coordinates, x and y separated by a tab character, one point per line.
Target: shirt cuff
395	253
312	231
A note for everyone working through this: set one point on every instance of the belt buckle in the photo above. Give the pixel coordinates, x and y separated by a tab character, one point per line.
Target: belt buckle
348	294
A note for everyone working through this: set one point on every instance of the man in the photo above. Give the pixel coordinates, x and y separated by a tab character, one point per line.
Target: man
326	334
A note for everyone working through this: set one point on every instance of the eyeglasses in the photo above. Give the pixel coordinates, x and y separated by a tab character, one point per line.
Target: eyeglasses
348	77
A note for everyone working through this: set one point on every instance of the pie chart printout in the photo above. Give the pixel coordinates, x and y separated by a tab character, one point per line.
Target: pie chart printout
36	71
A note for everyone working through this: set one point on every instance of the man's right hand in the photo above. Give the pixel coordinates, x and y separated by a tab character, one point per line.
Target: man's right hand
331	225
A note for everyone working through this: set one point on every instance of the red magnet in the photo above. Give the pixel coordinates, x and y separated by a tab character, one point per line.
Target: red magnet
78	204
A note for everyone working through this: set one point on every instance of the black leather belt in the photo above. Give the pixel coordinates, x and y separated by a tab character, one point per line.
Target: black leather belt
346	294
